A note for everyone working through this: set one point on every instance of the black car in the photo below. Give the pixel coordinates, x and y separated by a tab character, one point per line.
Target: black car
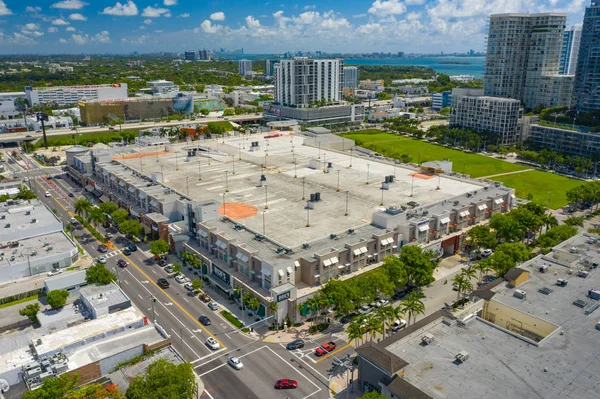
297	344
132	247
71	195
102	248
204	320
163	283
162	262
347	318
122	263
126	251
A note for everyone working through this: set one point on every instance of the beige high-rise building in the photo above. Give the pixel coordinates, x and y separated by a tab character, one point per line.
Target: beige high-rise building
523	51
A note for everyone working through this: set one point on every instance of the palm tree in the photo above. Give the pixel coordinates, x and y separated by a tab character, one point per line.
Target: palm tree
355	330
82	206
459	282
413	305
254	304
388	314
469	273
481	267
95	216
375	324
273	308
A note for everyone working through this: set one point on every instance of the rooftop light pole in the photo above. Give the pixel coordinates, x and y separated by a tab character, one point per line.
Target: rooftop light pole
338	186
412	187
156	152
368	169
226	182
266	201
381	203
308	217
199	169
347	194
233	160
350	158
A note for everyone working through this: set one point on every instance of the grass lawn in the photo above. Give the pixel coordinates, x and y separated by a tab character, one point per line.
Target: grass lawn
224	124
83	138
535	182
22	300
540	184
394	146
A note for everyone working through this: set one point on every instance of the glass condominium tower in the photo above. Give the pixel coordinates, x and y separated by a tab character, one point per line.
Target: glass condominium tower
586	89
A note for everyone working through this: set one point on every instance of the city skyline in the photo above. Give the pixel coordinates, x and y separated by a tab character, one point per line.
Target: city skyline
77	26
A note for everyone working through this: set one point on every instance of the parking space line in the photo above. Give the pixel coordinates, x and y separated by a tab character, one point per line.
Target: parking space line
209	355
224	364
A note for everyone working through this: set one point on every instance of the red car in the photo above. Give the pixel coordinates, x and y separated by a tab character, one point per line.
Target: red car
325	348
286	384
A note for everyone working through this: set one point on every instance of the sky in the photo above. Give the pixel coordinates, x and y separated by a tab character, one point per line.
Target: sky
349	26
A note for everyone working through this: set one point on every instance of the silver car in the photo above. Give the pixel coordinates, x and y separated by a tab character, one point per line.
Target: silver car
235	362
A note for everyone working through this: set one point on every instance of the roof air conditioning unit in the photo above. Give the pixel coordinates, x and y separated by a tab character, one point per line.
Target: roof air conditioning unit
561	282
520	294
462	356
427	339
543	268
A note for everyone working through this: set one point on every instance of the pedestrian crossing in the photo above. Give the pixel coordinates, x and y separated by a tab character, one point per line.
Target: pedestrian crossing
113	253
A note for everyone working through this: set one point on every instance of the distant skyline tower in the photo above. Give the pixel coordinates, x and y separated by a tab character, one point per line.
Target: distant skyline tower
350	77
570	50
244	66
586	89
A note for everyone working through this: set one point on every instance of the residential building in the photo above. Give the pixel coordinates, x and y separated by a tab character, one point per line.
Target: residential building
7	104
521	50
336	113
535	321
56	68
586	89
270	67
462	78
32	241
137	63
164	87
441	100
350	77
67	95
472	110
244	67
570	50
189	55
301	81
373	85
572	140
203	55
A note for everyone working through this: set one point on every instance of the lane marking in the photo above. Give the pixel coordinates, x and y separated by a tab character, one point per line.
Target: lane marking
334	352
185	342
319	389
209	395
209	355
226	364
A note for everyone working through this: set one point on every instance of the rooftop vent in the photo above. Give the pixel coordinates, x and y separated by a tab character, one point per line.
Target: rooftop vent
333	236
583	274
427	339
520	294
580	303
543	268
305	246
545	290
594	294
561	282
350	231
462	356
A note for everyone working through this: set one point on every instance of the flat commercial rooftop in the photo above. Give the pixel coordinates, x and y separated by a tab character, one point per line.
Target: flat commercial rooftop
280	206
502	364
41	249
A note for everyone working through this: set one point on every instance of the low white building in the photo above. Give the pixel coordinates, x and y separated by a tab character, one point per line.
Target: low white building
7	104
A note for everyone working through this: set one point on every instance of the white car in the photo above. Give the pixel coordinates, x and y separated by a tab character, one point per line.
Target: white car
487	252
47	194
212	343
188	286
55	272
381	302
179	278
398	325
235	362
102	259
364	309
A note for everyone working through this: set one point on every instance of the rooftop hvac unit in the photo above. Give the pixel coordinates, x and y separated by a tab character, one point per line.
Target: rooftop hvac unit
333	236
7	225
580	303
583	274
598	326
462	356
427	339
594	294
2	217
545	290
350	231
456	203
543	268
27	212
520	294
33	220
305	246
561	282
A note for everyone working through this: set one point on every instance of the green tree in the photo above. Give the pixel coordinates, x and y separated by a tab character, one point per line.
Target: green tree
228	112
254	304
98	274
131	227
95	216
574	221
396	271
159	247
413	305
355	330
82	206
164	380
119	216
197	285
176	267
500	263
108	207
54	388
204	111
373	395
384	96
481	237
375	325
419	267
30	311
25	193
57	298
517	251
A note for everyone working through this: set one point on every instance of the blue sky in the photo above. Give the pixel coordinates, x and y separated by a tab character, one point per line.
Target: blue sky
100	26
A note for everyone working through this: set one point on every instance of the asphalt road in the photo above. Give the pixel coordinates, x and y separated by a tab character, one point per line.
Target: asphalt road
177	313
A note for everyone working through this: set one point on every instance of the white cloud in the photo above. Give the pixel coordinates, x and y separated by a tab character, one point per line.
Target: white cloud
169	2
470	8
52	29
148	21
70	29
252	22
184	15
80	39
69	4
63	41
30	27
102	37
17	38
38	33
158	31
33	9
152	12
310	7
387	7
411	16
59	21
218	16
207	27
122	10
135	40
415	2
77	17
359	15
3	9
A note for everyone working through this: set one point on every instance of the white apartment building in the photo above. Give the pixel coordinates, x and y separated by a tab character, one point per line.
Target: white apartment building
301	81
472	110
245	67
163	87
350	77
7	104
521	50
66	95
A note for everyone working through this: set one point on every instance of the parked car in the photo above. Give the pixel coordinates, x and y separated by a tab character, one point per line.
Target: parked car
213	306
180	279
364	309
398	325
102	259
132	247
286	384
102	248
122	263
169	269
347	318
73	221
381	302
235	362
487	252
162	262
212	343
205	298
188	286
54	272
126	251
205	321
325	348
163	283
297	344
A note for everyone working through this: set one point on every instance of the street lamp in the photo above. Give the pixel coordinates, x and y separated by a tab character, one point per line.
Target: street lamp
226	182
368	168
233	160
347	194
199	169
156	152
187	186
224	209
412	187
264	234
266	200
338	186
176	161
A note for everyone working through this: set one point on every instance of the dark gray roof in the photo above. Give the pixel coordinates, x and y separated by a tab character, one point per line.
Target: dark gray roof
381	358
513	273
403	389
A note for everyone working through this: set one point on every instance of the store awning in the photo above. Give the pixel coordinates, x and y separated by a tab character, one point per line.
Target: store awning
327	262
281	273
498	201
131	190
122	183
289	270
357	252
341	266
89	188
423	228
444	220
296	263
334	260
482	207
387	241
464	214
363	250
203	233
221	244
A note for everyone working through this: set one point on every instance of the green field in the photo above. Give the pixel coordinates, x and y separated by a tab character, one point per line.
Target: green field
226	125
85	138
537	183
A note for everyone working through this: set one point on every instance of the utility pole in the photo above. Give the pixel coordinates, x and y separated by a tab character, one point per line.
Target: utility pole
226	182
266	199
152	300
338	185
42	117
368	168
